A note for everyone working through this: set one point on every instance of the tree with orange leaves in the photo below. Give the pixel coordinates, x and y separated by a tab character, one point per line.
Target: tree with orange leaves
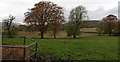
43	14
111	19
55	26
109	25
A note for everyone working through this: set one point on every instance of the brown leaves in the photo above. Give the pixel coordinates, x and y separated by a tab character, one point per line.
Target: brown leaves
110	17
44	12
110	24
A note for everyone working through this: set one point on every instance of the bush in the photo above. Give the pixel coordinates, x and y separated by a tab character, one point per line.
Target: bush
11	34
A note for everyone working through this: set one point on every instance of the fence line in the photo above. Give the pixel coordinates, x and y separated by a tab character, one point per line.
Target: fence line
24	47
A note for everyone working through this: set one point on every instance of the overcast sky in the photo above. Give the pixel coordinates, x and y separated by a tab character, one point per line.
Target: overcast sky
97	9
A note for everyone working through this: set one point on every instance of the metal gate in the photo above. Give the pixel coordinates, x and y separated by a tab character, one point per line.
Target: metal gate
19	52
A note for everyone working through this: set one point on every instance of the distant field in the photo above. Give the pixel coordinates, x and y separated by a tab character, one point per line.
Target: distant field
89	30
60	34
90	48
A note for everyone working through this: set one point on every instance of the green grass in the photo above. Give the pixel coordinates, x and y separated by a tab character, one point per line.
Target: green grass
91	48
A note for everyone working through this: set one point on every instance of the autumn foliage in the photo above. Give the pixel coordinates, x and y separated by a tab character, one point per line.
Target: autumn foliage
43	15
109	25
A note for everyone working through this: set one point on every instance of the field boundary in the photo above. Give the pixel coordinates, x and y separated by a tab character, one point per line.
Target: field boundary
25	49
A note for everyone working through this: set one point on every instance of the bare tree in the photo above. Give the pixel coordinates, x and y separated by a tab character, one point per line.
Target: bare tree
77	15
7	25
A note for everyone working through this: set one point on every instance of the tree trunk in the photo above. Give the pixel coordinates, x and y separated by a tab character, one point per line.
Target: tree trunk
42	35
100	33
118	28
9	34
54	35
110	29
74	36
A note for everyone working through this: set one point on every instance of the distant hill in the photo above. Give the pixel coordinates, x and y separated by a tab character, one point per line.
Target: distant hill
91	23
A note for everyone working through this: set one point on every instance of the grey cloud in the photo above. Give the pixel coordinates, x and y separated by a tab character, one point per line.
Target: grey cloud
97	14
119	10
112	11
100	13
96	8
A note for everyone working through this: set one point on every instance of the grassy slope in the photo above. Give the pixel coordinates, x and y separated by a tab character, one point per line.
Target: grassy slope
96	47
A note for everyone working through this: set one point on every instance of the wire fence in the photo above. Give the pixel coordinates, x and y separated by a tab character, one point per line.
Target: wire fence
21	51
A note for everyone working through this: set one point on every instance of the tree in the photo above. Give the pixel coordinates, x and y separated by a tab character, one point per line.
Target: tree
76	17
55	26
8	27
42	15
111	19
21	27
31	28
118	28
110	23
71	30
100	28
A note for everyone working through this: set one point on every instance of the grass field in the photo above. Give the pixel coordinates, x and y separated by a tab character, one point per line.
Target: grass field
59	34
84	48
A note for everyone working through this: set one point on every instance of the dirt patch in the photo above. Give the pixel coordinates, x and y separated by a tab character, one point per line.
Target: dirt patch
14	53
